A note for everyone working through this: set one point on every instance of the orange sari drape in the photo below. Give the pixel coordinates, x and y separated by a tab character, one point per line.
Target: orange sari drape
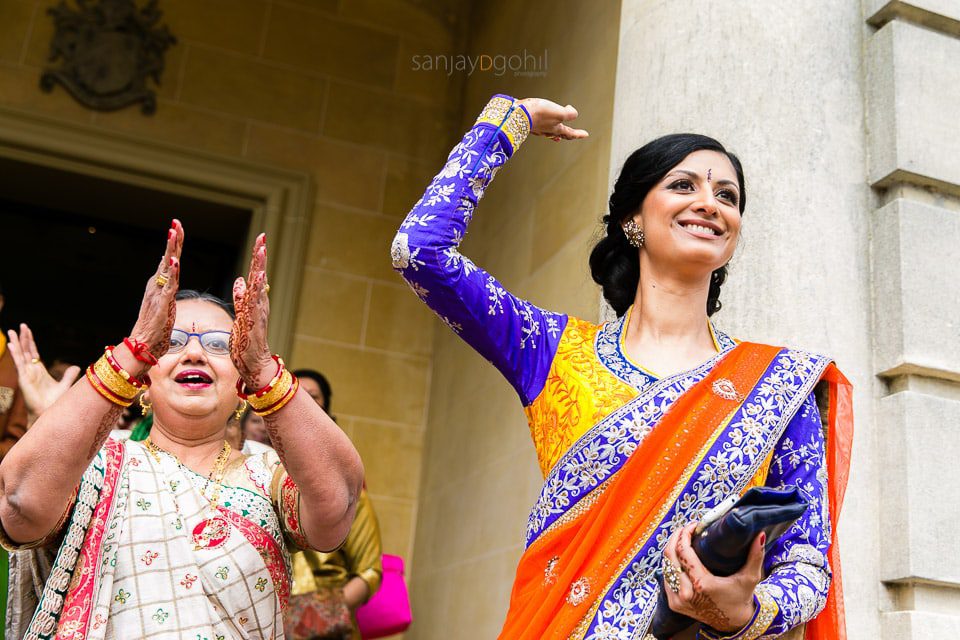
563	575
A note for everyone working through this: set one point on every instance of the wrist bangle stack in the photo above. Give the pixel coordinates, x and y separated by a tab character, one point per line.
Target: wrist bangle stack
275	395
113	382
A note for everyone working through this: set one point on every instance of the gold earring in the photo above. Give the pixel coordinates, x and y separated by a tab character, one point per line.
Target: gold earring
145	405
238	414
634	233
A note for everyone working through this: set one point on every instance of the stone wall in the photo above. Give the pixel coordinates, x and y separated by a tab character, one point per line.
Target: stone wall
913	84
781	85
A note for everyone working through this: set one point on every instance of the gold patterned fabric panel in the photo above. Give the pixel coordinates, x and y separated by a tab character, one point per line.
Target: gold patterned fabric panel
579	392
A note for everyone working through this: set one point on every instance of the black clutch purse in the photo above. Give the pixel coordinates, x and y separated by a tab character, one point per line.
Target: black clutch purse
723	538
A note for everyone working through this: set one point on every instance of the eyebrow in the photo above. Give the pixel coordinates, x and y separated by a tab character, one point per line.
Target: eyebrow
696	176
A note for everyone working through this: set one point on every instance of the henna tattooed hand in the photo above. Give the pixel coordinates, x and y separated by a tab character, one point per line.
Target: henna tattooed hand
158	309
723	603
248	340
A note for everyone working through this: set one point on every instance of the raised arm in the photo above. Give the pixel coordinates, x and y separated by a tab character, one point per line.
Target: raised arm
39	474
315	452
519	338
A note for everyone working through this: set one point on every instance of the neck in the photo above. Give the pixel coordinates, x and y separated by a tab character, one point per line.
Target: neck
195	448
669	310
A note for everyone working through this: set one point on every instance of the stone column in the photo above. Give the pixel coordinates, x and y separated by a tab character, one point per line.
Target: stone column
781	84
913	88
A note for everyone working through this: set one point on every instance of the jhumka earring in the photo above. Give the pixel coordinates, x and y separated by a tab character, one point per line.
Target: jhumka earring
634	233
238	414
145	405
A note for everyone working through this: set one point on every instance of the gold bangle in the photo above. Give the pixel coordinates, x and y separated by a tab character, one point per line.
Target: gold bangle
105	391
278	390
282	402
113	380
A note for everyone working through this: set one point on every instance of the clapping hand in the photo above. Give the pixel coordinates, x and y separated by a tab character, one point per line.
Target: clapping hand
548	118
39	388
248	341
158	311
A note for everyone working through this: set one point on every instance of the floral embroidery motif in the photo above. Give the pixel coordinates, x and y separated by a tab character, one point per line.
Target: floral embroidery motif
243	620
222	573
734	459
725	389
149	557
188	580
143	504
290	507
99	620
161	616
173	485
550	571
122	596
261	584
579	592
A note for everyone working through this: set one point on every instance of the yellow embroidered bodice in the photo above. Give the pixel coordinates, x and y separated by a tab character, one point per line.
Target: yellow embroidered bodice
579	392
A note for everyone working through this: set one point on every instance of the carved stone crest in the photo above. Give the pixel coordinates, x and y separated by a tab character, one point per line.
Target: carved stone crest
108	50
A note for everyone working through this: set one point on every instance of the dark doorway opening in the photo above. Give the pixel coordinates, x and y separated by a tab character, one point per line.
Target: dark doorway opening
78	251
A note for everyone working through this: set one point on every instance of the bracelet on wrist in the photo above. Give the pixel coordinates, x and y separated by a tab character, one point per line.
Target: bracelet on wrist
275	394
140	351
113	382
282	402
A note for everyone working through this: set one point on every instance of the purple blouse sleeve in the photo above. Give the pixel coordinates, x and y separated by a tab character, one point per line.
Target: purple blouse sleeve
798	574
519	338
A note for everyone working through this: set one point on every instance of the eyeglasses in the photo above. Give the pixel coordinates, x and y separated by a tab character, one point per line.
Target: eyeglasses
216	343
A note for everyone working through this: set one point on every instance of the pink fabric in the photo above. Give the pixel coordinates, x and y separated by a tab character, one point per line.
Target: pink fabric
388	611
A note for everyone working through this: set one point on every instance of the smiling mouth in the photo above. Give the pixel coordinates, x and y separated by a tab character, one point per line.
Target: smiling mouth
193	378
699	229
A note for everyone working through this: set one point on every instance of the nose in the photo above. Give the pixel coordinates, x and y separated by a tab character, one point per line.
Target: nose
707	203
193	351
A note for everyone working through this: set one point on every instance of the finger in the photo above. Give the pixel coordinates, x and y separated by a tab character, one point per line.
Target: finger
689	561
569	113
255	255
173	282
753	569
13	344
177	227
27	344
70	376
239	295
569	133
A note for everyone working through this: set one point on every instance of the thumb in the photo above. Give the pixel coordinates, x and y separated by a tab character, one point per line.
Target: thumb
570	113
239	292
69	376
754	565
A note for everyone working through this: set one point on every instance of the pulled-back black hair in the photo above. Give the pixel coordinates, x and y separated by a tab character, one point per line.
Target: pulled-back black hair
193	294
614	263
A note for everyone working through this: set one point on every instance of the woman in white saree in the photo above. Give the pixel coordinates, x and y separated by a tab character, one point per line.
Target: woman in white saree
178	536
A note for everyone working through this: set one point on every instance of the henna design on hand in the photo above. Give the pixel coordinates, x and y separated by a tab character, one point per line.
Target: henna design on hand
248	341
158	311
706	610
107	423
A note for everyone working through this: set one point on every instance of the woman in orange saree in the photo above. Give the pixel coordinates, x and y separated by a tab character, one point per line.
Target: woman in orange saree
633	453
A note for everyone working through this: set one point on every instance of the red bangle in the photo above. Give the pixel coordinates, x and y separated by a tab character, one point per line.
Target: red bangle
243	394
104	390
141	382
140	351
282	402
